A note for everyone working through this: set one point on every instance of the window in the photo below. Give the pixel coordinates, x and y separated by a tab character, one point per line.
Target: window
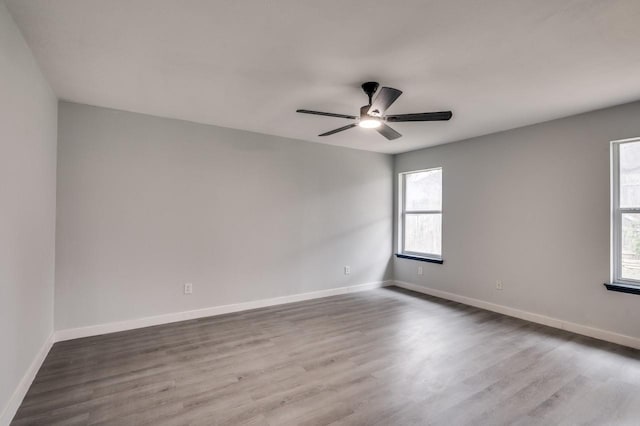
420	212
626	212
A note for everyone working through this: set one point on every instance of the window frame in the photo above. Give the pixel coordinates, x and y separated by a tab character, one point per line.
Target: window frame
616	216
402	212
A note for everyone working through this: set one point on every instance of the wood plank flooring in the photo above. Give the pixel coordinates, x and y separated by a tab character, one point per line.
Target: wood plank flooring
381	357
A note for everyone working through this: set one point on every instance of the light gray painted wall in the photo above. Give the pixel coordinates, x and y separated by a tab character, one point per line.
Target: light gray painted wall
146	204
27	207
530	207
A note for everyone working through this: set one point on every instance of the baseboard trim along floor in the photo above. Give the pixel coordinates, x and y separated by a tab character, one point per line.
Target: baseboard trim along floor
596	333
14	403
19	393
95	330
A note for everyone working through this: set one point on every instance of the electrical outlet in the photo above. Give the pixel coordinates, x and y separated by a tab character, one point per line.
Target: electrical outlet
188	288
499	285
347	270
419	270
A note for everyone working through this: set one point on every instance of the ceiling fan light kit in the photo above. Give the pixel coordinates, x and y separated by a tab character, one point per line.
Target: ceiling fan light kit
372	115
369	123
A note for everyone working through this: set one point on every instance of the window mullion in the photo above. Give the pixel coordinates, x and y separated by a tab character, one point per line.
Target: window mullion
423	211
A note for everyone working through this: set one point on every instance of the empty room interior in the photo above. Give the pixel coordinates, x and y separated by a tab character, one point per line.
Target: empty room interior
293	212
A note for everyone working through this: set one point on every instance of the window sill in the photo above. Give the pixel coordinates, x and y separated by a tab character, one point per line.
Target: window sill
623	288
420	258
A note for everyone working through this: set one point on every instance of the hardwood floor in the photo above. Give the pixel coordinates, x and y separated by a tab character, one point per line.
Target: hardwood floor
387	357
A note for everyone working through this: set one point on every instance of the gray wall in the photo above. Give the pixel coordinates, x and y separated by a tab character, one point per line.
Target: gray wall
146	204
530	207
27	207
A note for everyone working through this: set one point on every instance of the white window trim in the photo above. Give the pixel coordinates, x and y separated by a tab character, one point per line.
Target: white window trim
402	212
616	215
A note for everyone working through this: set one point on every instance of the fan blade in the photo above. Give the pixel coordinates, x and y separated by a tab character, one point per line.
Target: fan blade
327	114
385	98
423	116
340	129
388	132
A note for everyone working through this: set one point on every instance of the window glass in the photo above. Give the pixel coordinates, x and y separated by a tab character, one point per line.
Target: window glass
630	175
423	233
630	241
424	190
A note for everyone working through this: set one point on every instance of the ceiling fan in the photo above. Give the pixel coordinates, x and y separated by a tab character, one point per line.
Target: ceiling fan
372	116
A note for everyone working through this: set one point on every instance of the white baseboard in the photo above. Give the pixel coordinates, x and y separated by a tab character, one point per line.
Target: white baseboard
609	336
94	330
12	406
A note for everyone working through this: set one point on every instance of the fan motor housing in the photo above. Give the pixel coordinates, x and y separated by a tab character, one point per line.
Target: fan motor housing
364	113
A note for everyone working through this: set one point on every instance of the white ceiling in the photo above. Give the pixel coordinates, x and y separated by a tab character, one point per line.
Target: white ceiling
497	64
